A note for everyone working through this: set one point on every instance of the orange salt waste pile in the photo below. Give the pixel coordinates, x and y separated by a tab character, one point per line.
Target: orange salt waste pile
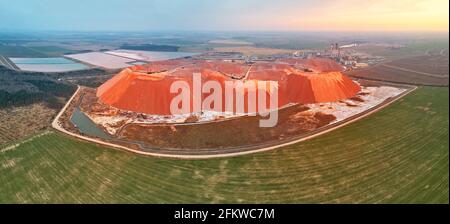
146	89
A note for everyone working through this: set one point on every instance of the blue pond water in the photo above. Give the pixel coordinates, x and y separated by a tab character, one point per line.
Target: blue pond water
86	125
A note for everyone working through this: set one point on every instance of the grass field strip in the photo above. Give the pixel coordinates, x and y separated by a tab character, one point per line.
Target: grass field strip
17	144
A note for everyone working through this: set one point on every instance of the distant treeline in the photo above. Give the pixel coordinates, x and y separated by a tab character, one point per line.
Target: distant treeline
80	73
48	89
150	47
58	89
19	98
92	82
57	75
23	98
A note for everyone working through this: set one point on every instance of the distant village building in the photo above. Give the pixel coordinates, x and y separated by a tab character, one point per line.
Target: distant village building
348	60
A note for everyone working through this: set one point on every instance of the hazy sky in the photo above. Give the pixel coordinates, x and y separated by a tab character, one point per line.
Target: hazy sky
251	15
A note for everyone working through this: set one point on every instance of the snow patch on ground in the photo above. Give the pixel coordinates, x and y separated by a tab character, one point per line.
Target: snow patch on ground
204	116
372	96
111	124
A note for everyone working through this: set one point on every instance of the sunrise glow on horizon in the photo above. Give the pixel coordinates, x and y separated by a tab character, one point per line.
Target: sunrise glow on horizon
289	15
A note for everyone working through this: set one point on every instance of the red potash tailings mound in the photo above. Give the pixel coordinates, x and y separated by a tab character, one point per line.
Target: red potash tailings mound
320	88
146	89
317	65
137	92
150	93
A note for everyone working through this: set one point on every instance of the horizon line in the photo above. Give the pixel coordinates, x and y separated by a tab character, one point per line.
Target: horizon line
224	30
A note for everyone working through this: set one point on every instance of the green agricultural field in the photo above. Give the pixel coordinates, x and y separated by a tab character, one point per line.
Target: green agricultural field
51	51
412	48
20	51
398	155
